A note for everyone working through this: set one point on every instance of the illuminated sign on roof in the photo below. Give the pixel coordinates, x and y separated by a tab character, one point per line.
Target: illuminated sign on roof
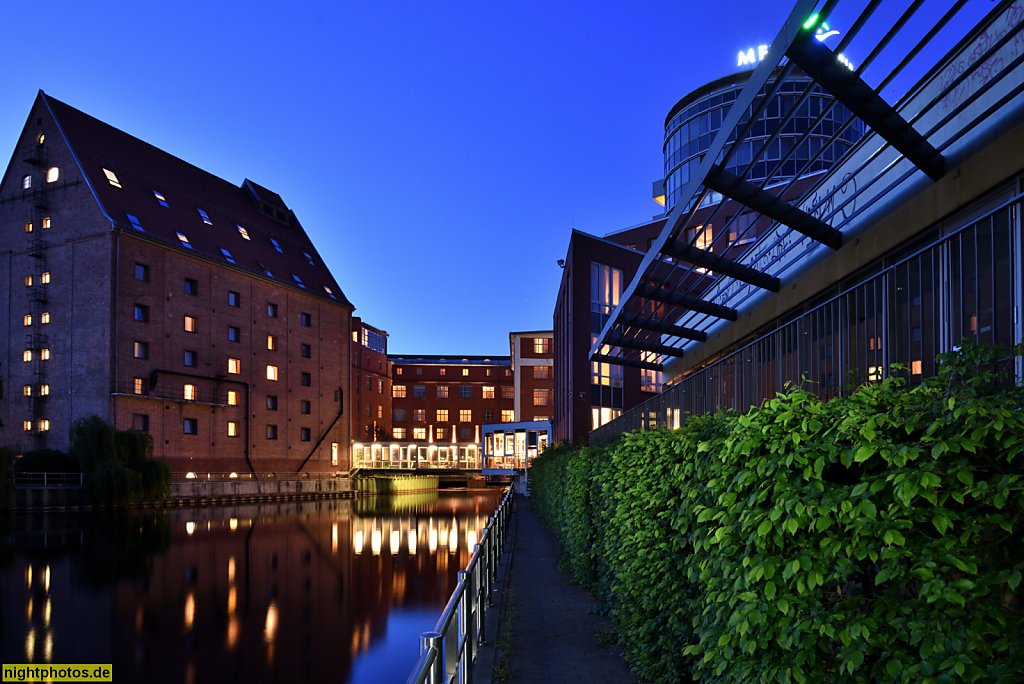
752	56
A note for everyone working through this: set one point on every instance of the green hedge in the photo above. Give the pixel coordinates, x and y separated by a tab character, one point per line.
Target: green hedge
875	537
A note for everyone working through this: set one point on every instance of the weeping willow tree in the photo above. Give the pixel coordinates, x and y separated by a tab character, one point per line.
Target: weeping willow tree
118	465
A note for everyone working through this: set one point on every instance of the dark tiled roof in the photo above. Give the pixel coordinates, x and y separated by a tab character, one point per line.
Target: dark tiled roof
142	169
451	360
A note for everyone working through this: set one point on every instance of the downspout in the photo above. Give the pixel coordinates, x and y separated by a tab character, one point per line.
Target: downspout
341	412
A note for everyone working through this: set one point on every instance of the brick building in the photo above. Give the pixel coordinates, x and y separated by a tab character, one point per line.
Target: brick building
159	297
532	374
371	383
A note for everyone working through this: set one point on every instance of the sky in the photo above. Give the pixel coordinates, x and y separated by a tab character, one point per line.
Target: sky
438	154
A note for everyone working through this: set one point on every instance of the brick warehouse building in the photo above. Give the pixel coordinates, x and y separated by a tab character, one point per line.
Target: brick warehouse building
371	383
159	297
532	374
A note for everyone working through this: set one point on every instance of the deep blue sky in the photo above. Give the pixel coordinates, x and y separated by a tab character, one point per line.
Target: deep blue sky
437	153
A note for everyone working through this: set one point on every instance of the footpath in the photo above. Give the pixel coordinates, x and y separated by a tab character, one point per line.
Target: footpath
555	634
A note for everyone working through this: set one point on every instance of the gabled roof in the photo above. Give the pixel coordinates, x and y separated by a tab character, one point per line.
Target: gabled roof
142	170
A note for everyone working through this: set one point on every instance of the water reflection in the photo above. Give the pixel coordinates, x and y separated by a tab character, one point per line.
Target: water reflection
331	590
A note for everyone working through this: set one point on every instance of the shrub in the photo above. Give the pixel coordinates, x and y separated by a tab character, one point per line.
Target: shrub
118	464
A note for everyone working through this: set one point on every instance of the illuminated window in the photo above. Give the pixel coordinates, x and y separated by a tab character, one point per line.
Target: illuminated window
442	391
419	433
27	390
488	391
190	324
134	220
443	371
398	433
508	392
439	433
234	366
305	434
27	320
915	367
541	372
243	232
380	411
43	425
232	397
398	391
190	392
650	379
227	256
44	354
141	313
138	386
308	258
298	281
271	402
44	317
465	392
160	198
232	428
271	342
271	310
27	426
45	278
28	281
419	415
272	373
184	240
329	293
442	415
29	227
465	372
271	432
542	345
305	319
141	350
206	219
112	178
52	174
234	334
305	408
26	356
398	371
47	223
465	415
190	426
507	416
306	380
191	286
191	358
142	272
44	390
541	397
277	246
140	422
234	299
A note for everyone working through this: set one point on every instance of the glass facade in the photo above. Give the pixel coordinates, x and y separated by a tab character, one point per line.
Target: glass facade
690	131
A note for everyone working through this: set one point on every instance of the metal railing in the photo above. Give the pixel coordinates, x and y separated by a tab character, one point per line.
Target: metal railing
193	476
48	479
448	652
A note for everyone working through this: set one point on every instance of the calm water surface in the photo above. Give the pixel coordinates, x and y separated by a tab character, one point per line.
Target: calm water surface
320	591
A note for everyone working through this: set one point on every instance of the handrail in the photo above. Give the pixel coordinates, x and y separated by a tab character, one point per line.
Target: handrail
238	476
447	654
48	479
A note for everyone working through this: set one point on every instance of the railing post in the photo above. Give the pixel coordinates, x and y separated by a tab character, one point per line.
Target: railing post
469	610
434	640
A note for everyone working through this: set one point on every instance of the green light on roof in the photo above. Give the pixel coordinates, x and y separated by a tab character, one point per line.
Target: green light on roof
811	22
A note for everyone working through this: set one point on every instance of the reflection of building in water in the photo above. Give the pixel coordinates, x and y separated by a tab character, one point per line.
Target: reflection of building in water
292	592
509	445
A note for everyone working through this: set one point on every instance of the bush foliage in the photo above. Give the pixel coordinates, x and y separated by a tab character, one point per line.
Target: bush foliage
874	537
118	464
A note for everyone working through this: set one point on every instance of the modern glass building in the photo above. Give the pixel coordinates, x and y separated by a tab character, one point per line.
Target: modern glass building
692	123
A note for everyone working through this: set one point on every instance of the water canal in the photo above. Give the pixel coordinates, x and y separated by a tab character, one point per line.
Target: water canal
324	591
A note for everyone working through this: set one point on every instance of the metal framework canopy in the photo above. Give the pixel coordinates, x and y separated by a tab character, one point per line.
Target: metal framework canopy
827	124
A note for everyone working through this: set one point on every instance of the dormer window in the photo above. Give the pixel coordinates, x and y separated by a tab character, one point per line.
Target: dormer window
266	271
135	223
243	232
298	281
161	199
329	293
112	178
227	255
309	258
206	219
184	240
277	246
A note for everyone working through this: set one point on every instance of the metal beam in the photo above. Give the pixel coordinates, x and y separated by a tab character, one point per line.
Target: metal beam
619	361
713	262
666	296
822	65
772	206
633	343
663	327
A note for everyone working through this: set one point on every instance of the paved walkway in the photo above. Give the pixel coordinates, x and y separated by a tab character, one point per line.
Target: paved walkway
556	636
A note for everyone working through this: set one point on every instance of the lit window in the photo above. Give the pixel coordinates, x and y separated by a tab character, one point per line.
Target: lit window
160	198
190	392
271	402
465	372
329	293
44	318
398	433
306	380
191	358
141	272
52	174
27	425
419	433
184	240
141	313
305	319
915	367
272	310
398	371
112	178
28	319
27	390
272	373
205	217
380	411
488	392
140	422
44	390
309	258
44	354
138	386
398	391
191	286
47	223
541	397
26	355
271	432
141	350
190	426
138	226
442	415
234	366
419	415
227	255
45	278
234	334
442	391
541	345
277	246
234	299
271	342
232	397
439	433
243	232
28	227
541	372
305	435
28	281
190	324
465	415
43	425
443	371
298	281
507	416
232	428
